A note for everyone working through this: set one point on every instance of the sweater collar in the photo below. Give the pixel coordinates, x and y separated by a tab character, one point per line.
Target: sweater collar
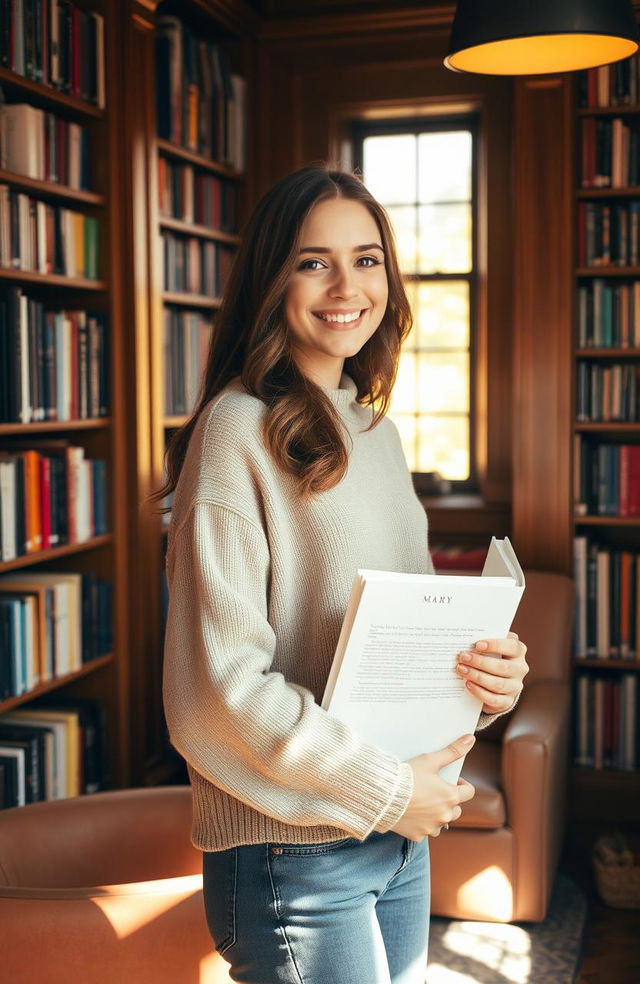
345	395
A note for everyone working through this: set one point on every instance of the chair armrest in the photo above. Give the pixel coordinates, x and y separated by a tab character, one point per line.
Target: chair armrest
535	758
539	713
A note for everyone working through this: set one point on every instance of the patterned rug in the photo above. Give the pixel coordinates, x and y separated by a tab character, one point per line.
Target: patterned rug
523	953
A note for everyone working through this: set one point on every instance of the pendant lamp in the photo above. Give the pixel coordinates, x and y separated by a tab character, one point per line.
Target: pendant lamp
531	37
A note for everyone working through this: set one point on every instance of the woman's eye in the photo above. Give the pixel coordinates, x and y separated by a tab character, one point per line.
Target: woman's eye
371	261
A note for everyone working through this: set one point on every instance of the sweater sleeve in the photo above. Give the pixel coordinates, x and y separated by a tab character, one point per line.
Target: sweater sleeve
238	723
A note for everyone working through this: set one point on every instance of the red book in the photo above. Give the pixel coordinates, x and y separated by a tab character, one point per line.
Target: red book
626	569
623	479
634	481
45	501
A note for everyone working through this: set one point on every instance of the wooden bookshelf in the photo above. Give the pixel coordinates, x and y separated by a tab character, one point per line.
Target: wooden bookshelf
105	678
230	25
606	534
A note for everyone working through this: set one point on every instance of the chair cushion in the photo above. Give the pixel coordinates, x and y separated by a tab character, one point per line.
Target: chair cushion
482	769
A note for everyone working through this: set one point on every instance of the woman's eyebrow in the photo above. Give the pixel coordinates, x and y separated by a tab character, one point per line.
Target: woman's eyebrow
356	249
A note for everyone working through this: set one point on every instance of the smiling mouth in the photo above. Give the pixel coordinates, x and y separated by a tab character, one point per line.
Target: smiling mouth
333	323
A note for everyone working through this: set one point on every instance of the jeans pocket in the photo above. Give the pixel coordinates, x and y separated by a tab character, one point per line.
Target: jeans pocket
219	876
308	850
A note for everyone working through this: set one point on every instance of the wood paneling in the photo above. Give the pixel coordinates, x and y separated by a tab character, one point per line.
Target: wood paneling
542	322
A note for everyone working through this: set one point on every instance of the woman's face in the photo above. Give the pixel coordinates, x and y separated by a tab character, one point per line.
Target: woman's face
337	295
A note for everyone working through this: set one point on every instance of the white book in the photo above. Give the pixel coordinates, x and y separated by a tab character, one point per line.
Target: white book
58	728
22	141
393	677
8	508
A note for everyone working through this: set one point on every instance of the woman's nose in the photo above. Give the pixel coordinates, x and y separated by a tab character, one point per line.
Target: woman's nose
343	285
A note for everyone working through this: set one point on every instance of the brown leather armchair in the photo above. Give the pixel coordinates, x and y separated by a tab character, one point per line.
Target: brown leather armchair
104	889
498	862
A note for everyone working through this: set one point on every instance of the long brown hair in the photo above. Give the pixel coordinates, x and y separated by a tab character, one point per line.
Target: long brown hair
302	428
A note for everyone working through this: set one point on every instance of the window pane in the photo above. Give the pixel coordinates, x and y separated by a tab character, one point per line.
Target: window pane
389	168
440	314
444	238
443	382
444	447
444	163
403	220
404	395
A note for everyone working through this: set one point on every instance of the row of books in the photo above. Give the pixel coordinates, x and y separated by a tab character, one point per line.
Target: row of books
607	392
607	479
607	723
52	751
56	43
43	146
41	238
51	624
193	196
193	265
200	101
607	601
608	234
610	153
53	364
50	495
187	337
609	314
610	85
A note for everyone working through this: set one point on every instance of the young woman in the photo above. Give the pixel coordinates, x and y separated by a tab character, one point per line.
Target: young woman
286	479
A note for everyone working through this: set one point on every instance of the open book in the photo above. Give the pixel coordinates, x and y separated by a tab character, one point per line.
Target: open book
393	675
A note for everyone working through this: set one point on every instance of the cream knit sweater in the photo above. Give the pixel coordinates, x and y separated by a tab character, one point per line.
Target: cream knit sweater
258	584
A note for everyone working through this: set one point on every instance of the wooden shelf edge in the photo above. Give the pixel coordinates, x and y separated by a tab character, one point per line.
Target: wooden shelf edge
51	280
169	149
629	109
587	774
47	94
608	271
607	521
30	560
606	664
191	300
51	685
90	423
201	231
51	189
613	353
604	426
629	191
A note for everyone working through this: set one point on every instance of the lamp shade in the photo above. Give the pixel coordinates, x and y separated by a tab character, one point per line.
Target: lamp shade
531	37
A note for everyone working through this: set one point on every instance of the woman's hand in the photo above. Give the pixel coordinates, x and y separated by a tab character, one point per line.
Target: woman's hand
497	682
434	802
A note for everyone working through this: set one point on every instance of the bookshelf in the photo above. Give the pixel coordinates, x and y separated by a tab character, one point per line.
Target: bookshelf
67	390
194	187
606	445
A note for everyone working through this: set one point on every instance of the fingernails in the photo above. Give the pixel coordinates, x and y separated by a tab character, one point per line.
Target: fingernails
481	645
465	657
467	740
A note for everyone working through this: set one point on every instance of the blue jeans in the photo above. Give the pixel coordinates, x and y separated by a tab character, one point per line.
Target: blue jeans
342	912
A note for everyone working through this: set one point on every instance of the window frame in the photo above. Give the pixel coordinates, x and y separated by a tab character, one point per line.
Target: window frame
416	125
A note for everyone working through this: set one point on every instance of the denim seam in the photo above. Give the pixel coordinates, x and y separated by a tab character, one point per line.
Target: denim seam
231	924
277	905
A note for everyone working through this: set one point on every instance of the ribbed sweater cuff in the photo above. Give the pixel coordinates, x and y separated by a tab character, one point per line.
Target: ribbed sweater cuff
486	719
399	800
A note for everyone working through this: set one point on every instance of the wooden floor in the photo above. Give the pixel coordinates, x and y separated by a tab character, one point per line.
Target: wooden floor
612	946
611	950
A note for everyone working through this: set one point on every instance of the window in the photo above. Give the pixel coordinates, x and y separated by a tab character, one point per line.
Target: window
424	175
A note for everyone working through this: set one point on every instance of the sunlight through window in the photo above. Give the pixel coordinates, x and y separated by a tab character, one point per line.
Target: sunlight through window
424	178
